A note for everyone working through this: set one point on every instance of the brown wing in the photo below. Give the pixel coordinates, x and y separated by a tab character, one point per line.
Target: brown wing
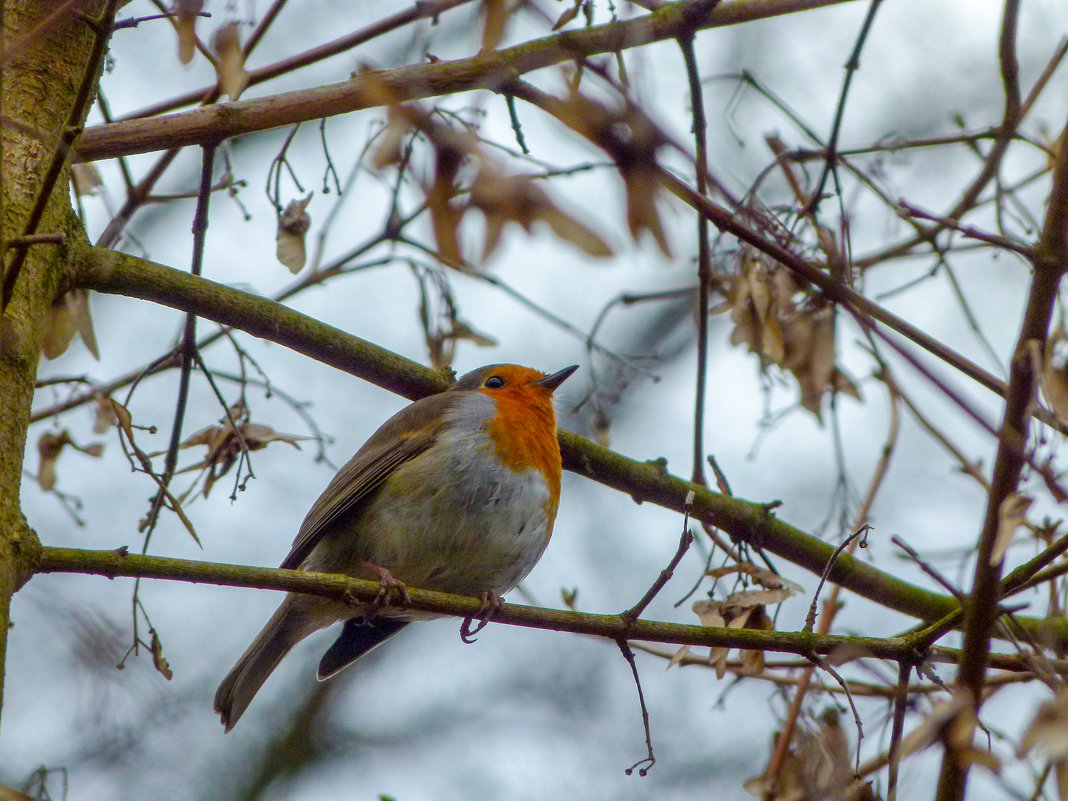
403	437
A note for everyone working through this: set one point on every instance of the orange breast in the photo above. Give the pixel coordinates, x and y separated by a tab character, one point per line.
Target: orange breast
524	437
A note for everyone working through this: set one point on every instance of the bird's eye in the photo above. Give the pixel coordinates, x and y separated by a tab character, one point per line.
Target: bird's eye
494	382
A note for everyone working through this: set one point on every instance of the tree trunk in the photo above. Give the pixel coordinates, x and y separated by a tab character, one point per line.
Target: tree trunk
44	63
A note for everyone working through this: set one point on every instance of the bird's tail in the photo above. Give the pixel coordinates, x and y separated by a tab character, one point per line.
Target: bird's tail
296	618
357	638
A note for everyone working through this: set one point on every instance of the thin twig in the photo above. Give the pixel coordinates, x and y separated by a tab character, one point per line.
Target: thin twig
928	568
704	263
261	28
1002	242
643	765
851	66
1050	262
862	533
901	703
189	344
685	540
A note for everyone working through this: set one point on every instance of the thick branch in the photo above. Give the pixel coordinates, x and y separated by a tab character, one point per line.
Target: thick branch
614	627
484	71
122	274
421	9
1050	264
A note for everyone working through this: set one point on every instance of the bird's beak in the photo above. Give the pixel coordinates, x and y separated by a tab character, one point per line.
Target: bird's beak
551	382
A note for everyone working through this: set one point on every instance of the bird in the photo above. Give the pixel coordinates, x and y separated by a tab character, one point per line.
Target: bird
457	492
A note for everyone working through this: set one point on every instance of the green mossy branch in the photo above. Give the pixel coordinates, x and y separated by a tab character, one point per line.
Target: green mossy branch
349	590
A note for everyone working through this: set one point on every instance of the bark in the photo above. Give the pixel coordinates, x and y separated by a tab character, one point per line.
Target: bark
39	84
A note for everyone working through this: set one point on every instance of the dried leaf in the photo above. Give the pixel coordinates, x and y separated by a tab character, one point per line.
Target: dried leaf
225	445
185	21
11	794
809	344
843	384
230	64
69	316
462	330
845	653
259	436
123	418
632	140
86	178
571	230
750	599
205	436
1011	515
389	150
49	446
642	183
953	724
735	615
816	767
797	334
59	330
757	299
790	782
825	757
708	612
931	729
568	15
753	661
505	199
678	656
445	215
159	661
762	576
106	416
1055	374
293	225
444	331
1048	730
495	14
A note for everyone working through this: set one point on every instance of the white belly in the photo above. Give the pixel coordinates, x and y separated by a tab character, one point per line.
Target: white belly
451	520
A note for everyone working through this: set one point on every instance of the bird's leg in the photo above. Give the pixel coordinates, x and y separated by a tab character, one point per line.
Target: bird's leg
491	605
386	582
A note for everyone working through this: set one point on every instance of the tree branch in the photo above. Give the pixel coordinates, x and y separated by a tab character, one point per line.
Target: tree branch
119	562
1050	262
485	71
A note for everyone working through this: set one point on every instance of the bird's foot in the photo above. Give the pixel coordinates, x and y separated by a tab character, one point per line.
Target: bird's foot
491	605
386	583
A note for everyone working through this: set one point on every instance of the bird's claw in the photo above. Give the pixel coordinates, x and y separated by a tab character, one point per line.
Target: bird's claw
491	605
387	583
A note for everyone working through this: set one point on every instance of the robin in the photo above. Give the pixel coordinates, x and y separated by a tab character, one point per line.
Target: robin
456	492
